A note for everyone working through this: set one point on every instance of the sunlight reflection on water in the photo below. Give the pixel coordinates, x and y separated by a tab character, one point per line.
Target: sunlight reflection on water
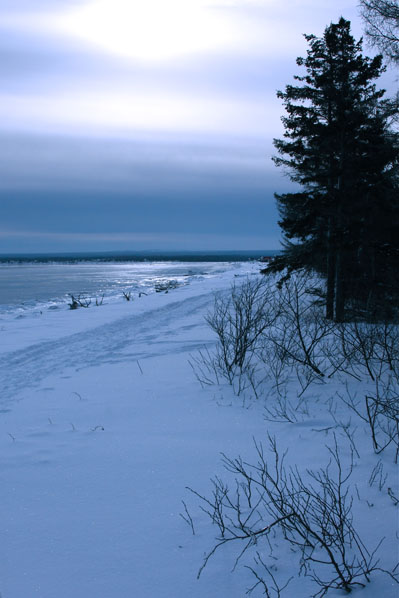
26	287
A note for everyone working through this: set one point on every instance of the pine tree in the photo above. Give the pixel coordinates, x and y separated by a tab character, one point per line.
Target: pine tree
338	148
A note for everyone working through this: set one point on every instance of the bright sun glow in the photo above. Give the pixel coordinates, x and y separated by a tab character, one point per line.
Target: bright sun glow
149	29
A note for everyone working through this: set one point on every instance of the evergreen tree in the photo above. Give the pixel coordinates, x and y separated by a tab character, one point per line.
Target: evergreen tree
338	148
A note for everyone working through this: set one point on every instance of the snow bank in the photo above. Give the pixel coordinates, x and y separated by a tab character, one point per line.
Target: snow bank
103	424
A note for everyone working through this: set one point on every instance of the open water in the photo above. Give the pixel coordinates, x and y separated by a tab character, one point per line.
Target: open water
32	286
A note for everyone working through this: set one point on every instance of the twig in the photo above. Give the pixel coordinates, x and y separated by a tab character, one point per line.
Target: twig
187	518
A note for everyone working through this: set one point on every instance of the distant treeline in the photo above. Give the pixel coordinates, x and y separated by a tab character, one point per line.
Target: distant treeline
71	258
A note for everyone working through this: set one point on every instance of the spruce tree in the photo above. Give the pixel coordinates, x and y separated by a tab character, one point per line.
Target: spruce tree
338	148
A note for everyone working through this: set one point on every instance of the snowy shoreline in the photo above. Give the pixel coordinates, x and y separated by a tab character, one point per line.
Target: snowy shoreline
31	289
39	326
103	425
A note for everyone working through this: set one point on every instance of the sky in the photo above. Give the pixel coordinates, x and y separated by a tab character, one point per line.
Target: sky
132	125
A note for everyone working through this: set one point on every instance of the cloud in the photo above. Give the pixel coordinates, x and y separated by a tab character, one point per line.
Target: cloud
113	113
101	147
113	187
152	163
57	83
23	6
26	241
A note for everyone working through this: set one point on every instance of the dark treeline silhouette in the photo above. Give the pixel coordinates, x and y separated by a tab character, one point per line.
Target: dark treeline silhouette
343	221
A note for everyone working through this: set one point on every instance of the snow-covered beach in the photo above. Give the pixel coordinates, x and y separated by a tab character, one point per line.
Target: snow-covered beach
30	287
104	425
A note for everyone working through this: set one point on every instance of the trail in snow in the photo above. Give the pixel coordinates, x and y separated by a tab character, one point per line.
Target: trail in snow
96	456
153	333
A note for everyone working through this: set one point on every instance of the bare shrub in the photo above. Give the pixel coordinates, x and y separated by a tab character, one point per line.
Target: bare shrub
274	362
270	336
270	584
205	367
267	333
301	327
365	348
378	476
313	515
380	411
239	319
388	345
79	301
359	346
283	410
280	328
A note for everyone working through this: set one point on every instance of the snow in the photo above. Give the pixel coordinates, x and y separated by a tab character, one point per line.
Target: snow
103	426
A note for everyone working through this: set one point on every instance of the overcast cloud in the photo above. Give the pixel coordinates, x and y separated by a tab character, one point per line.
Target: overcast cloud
163	141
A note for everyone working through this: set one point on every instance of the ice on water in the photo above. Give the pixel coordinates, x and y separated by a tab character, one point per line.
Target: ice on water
29	287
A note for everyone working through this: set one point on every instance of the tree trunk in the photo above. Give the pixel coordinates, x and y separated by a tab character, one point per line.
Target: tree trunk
330	274
339	288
